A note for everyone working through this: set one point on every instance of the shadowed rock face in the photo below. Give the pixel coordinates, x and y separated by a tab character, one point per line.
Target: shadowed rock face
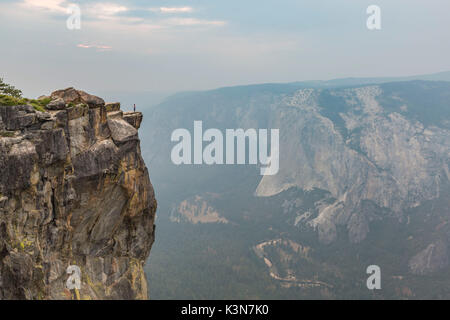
431	259
374	148
74	190
70	95
365	152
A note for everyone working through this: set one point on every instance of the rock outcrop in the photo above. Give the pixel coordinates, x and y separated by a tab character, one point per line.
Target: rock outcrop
378	150
431	259
362	152
74	191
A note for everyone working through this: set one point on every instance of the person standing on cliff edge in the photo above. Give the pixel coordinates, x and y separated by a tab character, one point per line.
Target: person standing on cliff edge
134	107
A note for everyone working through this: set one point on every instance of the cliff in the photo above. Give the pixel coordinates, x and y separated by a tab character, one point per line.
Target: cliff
371	148
74	191
364	179
366	150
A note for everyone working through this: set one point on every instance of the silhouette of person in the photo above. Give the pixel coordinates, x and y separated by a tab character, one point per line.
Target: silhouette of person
134	107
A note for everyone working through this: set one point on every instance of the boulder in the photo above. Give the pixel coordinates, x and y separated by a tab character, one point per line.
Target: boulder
69	95
133	118
57	103
91	100
73	96
112	106
121	131
17	117
115	115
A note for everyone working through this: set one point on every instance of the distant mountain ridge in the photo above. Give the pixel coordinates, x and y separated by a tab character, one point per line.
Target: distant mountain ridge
333	83
146	100
364	172
353	124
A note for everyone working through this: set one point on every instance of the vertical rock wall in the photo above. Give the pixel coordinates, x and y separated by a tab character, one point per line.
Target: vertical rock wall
74	190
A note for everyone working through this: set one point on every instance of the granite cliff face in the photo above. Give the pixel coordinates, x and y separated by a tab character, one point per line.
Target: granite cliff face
74	190
359	164
363	152
382	146
364	179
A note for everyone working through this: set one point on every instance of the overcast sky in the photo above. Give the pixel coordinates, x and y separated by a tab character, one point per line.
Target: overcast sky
167	46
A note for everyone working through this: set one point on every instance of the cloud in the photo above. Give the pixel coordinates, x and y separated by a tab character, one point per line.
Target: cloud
59	6
121	16
94	46
193	22
96	10
176	9
106	9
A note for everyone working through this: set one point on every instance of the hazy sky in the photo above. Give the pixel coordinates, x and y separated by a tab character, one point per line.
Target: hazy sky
171	46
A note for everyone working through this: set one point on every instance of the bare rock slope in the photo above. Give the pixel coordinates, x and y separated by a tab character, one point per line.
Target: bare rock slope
374	148
373	154
74	190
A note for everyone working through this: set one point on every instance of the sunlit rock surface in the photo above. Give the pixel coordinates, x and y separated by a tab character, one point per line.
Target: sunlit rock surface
74	190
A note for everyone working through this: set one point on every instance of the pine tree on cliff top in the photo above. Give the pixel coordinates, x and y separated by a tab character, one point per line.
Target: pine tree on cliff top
7	89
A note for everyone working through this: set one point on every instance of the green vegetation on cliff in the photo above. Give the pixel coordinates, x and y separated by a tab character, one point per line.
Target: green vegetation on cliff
10	96
9	90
